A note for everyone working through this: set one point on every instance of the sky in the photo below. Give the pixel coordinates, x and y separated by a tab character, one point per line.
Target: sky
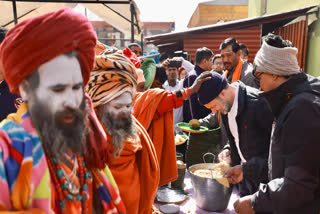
179	11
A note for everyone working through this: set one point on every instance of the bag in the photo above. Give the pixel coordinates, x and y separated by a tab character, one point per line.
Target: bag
199	144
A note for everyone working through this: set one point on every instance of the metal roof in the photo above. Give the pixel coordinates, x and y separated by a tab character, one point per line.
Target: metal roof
115	12
282	18
225	2
76	1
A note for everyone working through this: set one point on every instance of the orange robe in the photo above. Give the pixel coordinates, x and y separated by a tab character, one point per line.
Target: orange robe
159	125
136	172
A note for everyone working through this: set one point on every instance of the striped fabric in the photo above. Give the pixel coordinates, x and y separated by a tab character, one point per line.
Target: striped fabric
25	181
113	75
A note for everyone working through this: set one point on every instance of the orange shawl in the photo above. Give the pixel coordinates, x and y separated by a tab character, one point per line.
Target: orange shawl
160	131
136	172
237	71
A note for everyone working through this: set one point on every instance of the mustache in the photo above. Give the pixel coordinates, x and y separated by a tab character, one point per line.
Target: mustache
122	123
76	114
57	136
120	129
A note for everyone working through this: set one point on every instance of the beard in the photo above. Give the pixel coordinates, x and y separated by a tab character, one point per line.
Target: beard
228	66
120	128
57	136
225	105
226	108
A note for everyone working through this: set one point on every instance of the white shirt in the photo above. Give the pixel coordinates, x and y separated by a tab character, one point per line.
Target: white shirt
177	112
233	123
188	66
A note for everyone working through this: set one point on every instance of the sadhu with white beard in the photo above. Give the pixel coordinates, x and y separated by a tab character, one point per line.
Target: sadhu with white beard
52	151
132	157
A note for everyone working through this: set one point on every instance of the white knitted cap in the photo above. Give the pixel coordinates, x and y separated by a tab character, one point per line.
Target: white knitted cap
278	61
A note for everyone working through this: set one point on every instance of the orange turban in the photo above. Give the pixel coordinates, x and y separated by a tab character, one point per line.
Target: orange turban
36	41
113	75
100	48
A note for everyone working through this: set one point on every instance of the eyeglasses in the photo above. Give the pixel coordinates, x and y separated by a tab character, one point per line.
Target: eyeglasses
218	63
255	73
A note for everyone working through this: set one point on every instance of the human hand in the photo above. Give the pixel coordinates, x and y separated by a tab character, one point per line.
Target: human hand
234	174
243	205
178	58
224	156
200	79
166	62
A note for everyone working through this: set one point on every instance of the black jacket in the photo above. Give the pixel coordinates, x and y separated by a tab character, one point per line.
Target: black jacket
294	162
198	110
6	101
254	121
211	122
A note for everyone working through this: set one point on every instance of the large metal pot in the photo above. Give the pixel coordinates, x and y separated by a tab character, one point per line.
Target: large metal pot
209	194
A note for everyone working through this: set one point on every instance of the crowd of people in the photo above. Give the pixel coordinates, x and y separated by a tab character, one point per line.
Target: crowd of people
88	128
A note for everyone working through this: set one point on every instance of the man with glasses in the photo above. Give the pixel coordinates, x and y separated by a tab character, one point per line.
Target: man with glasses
294	163
217	64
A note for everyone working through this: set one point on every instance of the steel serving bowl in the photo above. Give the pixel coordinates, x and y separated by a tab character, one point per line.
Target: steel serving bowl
209	194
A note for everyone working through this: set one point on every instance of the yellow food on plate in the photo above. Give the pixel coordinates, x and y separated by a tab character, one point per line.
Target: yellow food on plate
179	139
217	173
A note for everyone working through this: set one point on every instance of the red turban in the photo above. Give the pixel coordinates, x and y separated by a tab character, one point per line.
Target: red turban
36	41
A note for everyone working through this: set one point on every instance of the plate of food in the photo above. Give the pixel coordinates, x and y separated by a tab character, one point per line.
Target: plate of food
180	139
193	126
170	195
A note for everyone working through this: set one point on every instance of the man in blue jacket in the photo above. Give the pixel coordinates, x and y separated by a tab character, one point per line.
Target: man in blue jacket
191	107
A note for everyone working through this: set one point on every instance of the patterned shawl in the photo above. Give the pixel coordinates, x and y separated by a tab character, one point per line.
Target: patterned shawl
25	180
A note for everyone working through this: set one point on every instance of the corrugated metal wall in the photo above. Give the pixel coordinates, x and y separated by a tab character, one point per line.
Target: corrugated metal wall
297	33
249	36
